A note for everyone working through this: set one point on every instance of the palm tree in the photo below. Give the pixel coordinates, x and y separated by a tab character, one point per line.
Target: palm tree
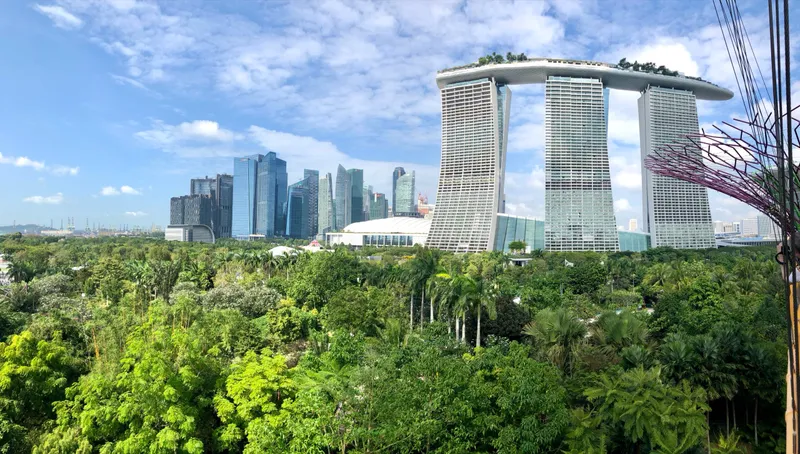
614	331
19	271
558	335
269	262
657	275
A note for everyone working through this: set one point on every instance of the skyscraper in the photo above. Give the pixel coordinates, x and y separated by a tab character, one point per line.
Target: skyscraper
367	202
398	172
220	189
191	209
357	194
325	205
378	208
344	198
405	195
224	203
297	212
676	212
245	176
579	208
175	211
633	225
272	196
474	137
313	199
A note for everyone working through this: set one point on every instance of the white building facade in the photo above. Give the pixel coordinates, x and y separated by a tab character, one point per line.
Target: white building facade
397	231
474	136
579	208
676	213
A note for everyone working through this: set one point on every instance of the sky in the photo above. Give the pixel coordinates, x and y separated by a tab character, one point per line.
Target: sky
109	107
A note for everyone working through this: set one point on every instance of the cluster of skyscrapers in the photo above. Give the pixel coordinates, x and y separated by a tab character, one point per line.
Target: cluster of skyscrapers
257	200
208	203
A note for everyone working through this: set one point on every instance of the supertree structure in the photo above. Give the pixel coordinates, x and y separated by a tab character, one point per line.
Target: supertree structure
753	161
740	159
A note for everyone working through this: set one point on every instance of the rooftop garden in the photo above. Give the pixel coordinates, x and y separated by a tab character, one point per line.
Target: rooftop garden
646	68
495	58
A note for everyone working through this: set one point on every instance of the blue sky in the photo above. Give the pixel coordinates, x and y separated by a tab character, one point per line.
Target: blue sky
110	107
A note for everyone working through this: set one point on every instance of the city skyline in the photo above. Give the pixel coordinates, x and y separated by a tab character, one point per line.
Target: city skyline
117	166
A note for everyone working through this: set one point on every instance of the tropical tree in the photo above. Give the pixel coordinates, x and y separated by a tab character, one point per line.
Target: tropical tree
558	335
648	411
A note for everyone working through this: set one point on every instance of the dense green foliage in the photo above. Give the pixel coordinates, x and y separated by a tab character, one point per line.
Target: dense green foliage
139	345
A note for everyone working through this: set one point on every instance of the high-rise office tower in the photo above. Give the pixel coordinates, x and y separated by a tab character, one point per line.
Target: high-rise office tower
224	204
344	198
378	208
579	208
298	210
325	205
313	199
175	211
204	186
405	195
474	136
357	194
676	212
220	189
397	173
767	228
367	202
245	176
191	209
272	196
633	225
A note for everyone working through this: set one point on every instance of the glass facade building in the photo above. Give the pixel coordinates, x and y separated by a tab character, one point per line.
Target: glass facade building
245	173
532	232
357	194
312	177
378	209
325	205
367	202
297	225
220	189
272	196
344	198
579	208
397	173
676	213
470	190
405	202
634	241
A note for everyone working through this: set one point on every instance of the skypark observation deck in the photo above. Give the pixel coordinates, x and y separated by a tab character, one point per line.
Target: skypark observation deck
536	71
579	212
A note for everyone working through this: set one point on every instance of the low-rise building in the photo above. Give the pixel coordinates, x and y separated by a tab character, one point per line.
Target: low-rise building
196	233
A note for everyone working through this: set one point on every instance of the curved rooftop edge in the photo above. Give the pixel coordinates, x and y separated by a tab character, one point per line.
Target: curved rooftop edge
398	224
536	71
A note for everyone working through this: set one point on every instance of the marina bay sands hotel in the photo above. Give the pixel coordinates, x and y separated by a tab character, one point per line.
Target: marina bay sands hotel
579	208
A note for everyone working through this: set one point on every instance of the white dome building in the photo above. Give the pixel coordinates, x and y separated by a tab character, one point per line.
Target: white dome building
399	231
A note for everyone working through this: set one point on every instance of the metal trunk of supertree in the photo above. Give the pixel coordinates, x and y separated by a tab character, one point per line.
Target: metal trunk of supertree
753	159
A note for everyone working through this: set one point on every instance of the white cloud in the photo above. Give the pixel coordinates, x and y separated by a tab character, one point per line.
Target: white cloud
60	16
199	138
49	200
21	161
622	205
129	190
135	214
65	170
125	189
